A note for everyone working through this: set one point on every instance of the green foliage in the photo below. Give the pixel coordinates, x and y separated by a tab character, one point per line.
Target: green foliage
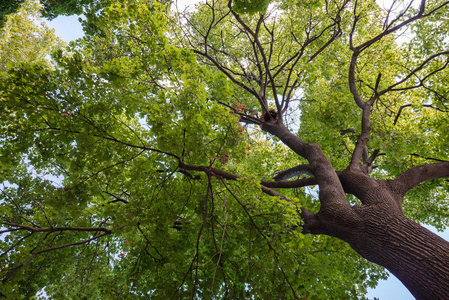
55	8
25	38
250	6
50	9
8	7
120	130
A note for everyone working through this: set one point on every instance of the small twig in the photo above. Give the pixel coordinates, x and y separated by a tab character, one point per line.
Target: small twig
11	272
399	112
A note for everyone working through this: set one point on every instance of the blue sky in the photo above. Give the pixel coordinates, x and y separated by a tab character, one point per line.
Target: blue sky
69	28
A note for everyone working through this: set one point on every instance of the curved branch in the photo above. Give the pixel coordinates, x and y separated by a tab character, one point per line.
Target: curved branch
331	192
414	176
362	140
365	106
352	82
399	112
292	172
308	181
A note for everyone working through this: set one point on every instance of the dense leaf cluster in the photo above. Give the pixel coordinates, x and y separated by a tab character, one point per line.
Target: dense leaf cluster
136	162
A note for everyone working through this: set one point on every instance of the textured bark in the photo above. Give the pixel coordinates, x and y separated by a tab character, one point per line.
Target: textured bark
415	255
383	235
378	230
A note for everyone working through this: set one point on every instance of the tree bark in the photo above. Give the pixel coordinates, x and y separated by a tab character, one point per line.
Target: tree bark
416	256
378	230
382	234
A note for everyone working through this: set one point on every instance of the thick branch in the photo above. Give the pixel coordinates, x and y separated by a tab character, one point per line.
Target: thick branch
292	172
414	176
362	140
308	181
331	191
365	106
352	82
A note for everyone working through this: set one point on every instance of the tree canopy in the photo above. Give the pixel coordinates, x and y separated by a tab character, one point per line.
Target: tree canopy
50	9
237	150
25	38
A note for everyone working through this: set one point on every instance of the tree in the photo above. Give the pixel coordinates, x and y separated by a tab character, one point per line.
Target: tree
142	165
50	9
7	7
25	38
55	8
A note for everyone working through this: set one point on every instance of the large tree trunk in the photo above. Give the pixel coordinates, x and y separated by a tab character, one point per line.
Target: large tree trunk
415	255
377	229
381	233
